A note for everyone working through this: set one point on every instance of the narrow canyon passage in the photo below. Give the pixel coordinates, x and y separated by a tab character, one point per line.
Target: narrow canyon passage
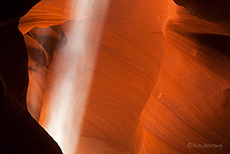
127	77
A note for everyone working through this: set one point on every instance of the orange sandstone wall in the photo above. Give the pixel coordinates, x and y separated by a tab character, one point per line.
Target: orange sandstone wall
125	77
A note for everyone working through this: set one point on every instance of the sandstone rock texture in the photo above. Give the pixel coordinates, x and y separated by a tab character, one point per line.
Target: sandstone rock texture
130	76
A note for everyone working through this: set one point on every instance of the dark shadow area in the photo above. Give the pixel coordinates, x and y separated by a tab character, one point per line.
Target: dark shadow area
219	43
19	132
212	10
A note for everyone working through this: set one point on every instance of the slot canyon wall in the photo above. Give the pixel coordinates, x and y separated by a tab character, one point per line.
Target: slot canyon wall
116	77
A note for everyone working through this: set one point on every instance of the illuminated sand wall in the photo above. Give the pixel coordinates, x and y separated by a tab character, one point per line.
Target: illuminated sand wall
129	77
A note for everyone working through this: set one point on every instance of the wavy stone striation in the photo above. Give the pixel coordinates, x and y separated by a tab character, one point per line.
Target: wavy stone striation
130	77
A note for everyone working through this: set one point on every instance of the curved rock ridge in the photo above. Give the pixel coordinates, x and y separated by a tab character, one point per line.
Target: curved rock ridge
138	15
130	77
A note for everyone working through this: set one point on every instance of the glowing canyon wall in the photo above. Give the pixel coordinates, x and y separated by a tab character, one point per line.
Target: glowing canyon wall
130	77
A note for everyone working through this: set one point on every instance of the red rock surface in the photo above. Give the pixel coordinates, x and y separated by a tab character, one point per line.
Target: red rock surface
130	77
